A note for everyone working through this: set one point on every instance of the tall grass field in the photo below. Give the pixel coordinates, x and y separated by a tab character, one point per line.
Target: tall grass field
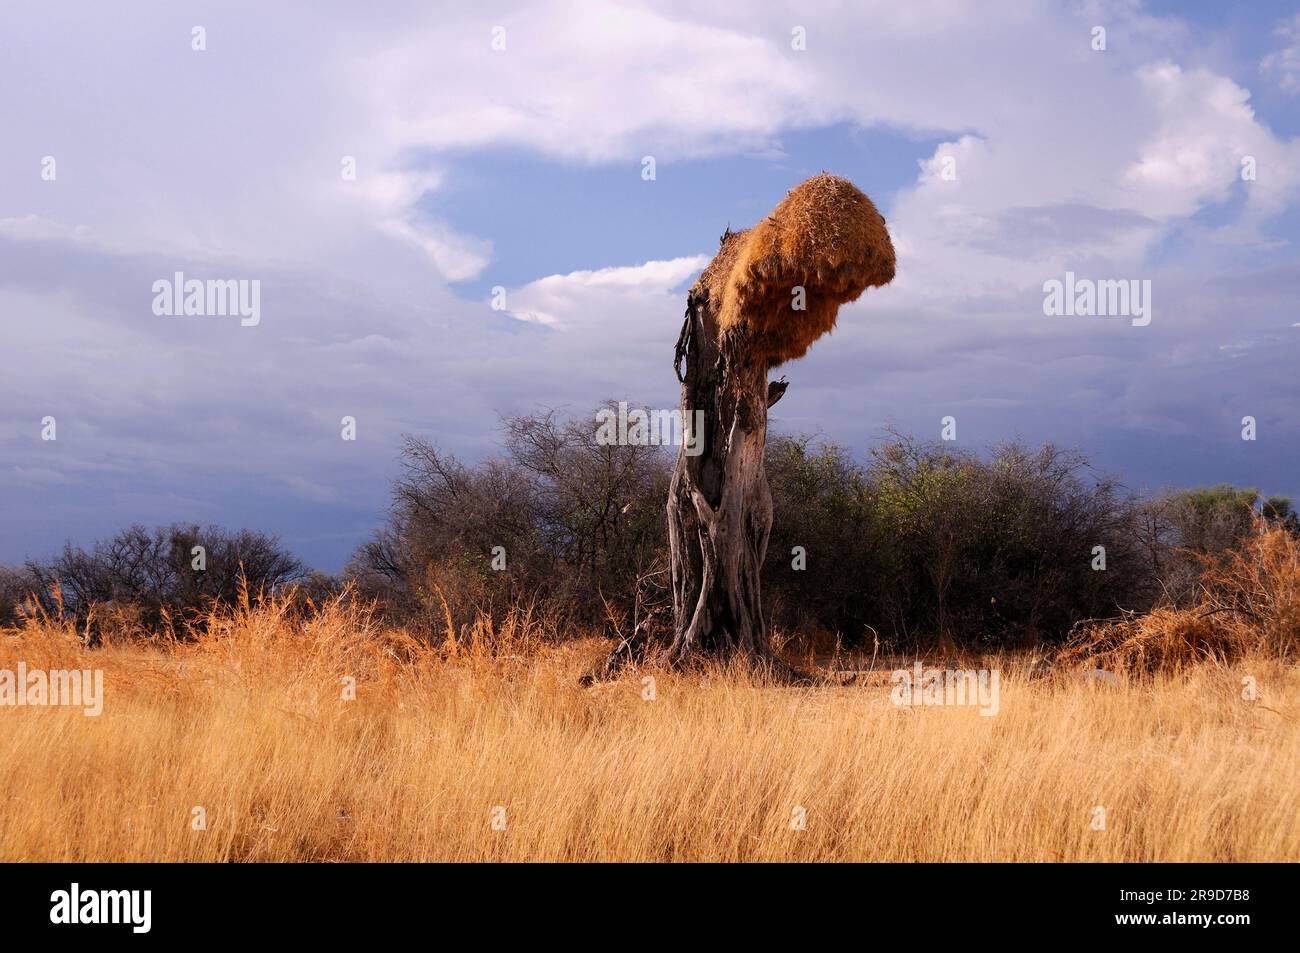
284	736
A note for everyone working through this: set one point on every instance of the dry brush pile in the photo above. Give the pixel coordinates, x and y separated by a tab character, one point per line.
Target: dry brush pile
1246	604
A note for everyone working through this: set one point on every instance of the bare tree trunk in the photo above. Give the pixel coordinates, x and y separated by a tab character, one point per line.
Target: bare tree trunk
719	504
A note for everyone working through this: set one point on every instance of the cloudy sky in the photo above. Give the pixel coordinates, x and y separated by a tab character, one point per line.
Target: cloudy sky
1003	149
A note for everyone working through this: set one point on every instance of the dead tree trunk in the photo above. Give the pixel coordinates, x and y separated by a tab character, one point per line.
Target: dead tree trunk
719	503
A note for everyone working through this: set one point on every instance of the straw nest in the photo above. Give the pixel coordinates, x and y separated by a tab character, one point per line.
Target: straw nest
825	237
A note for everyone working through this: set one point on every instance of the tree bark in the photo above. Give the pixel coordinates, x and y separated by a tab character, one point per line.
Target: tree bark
719	503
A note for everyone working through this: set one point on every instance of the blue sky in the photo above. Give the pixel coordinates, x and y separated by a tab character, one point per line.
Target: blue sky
521	168
609	215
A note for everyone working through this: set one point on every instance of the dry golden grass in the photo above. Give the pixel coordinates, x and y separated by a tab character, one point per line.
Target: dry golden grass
250	725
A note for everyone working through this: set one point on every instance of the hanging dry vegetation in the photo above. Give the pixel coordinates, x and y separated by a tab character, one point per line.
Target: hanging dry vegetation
827	238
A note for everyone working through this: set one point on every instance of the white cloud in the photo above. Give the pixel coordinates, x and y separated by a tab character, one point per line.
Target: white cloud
1283	65
35	228
457	257
607	298
592	84
1205	127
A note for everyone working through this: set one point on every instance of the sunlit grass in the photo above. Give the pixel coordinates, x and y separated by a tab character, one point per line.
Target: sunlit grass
250	725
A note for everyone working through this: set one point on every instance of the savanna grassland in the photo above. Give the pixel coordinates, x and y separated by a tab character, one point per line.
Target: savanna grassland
251	724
